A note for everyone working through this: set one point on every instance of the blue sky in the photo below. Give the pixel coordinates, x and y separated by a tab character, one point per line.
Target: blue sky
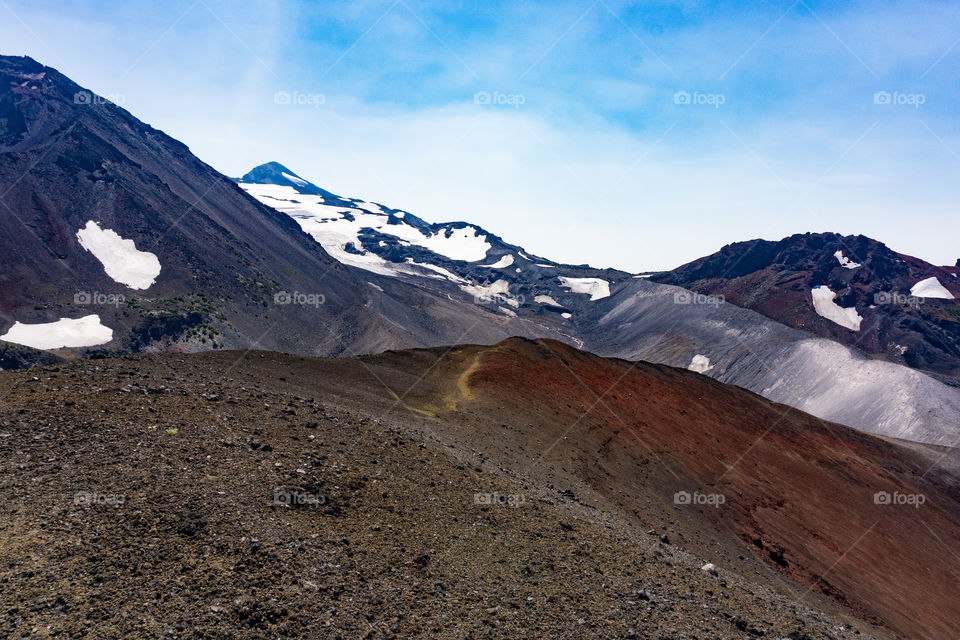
633	135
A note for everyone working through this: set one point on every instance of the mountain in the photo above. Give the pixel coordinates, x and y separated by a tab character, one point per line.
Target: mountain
615	314
422	493
460	258
850	289
115	238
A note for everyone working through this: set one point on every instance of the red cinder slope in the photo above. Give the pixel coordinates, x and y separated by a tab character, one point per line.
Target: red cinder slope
805	494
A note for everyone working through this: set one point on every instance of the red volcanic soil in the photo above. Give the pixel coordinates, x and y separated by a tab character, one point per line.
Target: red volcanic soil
799	491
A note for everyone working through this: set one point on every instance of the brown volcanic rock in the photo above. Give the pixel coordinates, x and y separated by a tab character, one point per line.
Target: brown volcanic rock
140	500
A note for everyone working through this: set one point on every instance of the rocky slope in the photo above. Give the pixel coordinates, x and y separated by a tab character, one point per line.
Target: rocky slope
614	314
422	494
904	309
106	219
116	239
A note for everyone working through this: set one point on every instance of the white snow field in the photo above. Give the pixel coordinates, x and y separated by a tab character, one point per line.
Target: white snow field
597	288
337	227
826	308
294	179
502	263
547	300
498	291
930	288
65	332
120	258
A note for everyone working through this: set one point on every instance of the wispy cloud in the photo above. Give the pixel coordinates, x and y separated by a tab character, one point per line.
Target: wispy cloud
638	135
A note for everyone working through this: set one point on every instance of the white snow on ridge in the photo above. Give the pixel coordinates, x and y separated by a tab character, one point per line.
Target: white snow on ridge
931	288
502	263
120	257
337	227
699	364
465	244
452	277
846	262
826	308
370	206
596	287
65	332
299	181
547	300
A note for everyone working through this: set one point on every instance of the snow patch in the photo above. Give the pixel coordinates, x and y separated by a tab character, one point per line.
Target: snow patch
567	315
547	300
845	262
930	288
596	287
120	257
502	263
498	292
443	272
65	332
370	206
826	308
294	179
699	364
